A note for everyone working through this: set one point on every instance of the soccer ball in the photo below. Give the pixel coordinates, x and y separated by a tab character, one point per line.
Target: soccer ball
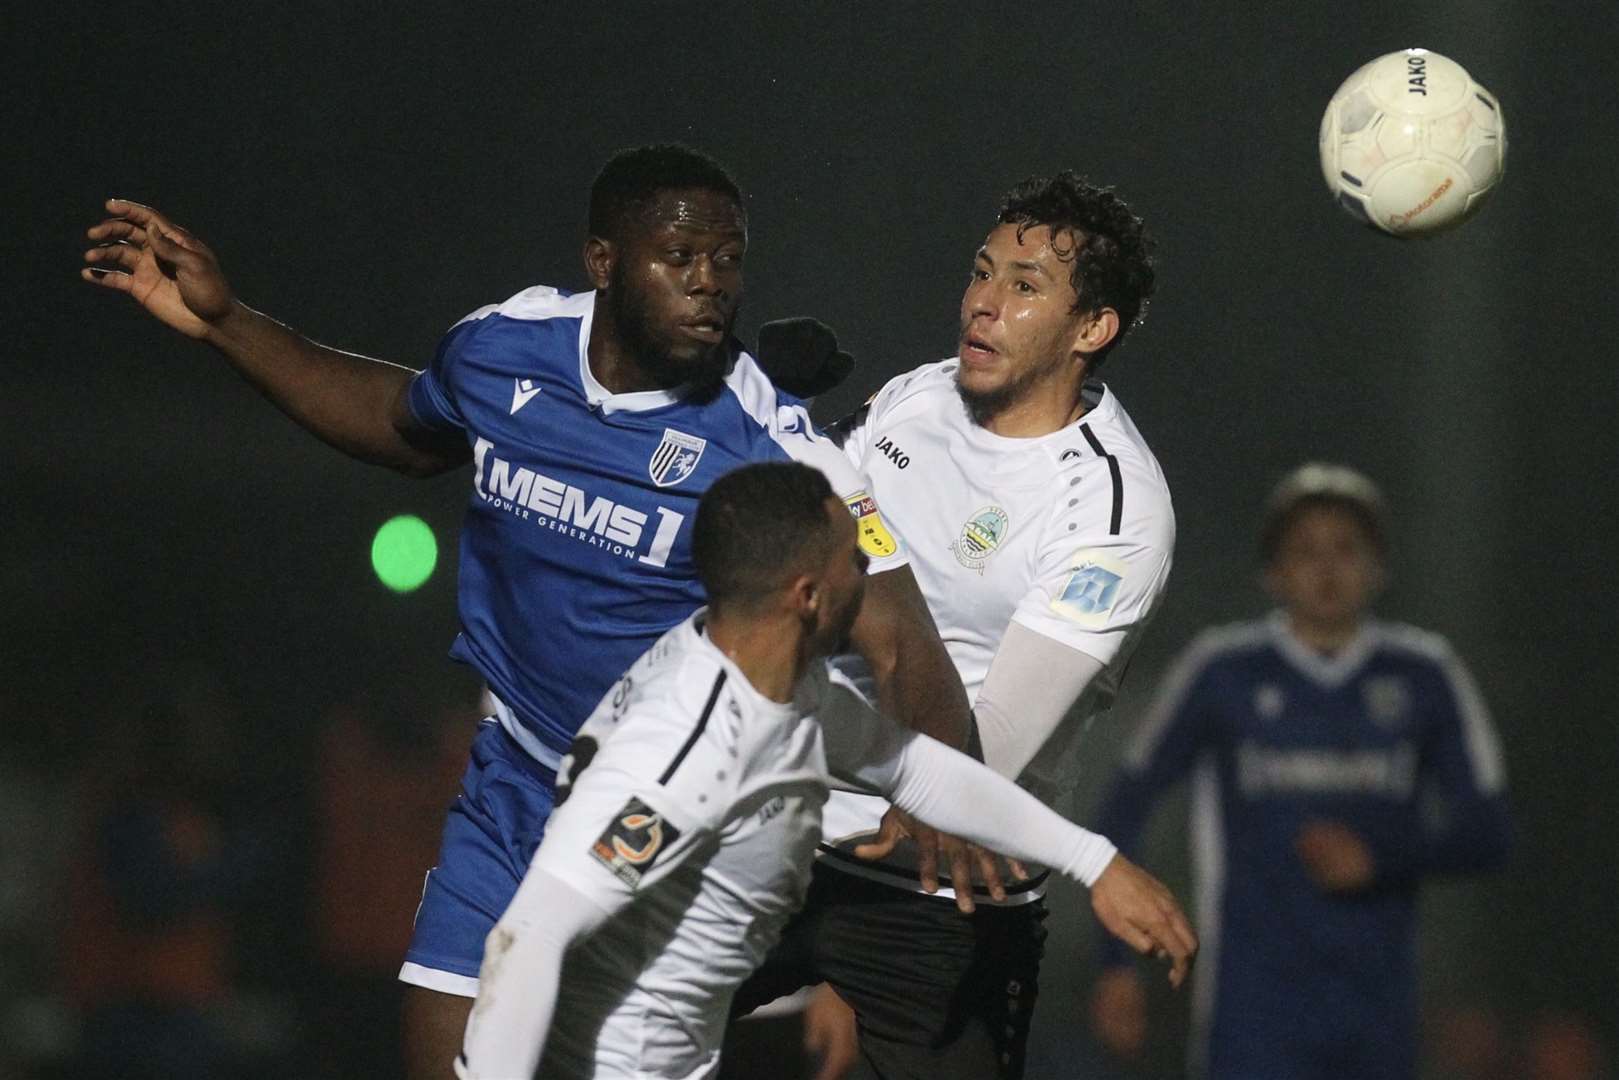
1410	144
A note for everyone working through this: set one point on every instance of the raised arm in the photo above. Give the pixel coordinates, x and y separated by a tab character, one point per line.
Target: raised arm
352	402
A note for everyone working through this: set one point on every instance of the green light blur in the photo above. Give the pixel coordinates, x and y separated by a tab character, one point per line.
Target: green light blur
404	553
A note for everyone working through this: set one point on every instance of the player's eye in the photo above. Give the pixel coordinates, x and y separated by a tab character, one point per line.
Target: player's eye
1025	287
678	255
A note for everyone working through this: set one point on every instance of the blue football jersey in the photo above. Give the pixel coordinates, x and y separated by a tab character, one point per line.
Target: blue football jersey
1390	737
576	548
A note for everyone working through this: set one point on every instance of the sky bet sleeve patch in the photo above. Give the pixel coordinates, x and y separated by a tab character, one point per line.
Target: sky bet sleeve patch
875	539
1092	588
633	840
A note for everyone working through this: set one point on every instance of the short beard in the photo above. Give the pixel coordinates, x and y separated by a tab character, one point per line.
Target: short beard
628	309
984	406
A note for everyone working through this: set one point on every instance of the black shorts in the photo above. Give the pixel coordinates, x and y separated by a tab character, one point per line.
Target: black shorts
939	995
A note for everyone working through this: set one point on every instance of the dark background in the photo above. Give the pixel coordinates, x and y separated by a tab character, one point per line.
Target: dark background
371	174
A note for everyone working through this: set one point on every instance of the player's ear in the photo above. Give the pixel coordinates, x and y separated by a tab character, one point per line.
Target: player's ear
1095	331
804	595
600	255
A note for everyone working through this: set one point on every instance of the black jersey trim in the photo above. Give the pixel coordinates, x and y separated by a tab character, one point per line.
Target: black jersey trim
696	732
1118	478
839	430
838	855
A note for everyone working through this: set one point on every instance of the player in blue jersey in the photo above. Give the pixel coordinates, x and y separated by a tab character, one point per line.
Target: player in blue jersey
1336	761
593	422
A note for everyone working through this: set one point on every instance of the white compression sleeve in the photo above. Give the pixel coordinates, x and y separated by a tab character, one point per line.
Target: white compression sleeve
522	968
1032	683
954	793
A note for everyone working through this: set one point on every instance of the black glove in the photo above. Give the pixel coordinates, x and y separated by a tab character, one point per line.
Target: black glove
801	356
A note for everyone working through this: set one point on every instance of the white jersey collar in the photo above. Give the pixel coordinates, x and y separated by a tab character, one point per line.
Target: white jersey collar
598	395
1101	408
697	632
1329	671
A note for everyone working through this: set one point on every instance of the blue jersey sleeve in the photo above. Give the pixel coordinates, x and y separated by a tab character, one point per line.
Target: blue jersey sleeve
432	397
1462	823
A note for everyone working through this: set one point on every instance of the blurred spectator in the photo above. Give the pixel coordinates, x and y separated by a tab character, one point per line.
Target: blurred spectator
1562	1046
153	888
1469	1042
385	773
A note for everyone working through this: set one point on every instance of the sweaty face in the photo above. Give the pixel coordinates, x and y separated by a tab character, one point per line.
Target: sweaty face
843	583
1326	570
1017	318
676	282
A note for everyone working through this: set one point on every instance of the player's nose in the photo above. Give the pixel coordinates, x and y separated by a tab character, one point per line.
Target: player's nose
701	277
980	300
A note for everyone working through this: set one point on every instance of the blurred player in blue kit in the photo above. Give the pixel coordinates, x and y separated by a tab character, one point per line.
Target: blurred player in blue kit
1336	761
593	422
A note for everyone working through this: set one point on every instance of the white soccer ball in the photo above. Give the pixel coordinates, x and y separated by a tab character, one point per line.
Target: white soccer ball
1411	144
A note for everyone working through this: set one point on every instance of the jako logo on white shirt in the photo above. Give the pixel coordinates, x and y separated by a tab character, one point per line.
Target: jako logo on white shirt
598	521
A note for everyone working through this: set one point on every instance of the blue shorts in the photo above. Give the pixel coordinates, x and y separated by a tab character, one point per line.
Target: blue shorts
489	837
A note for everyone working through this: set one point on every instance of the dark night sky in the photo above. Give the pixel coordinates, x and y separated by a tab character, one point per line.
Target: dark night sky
370	173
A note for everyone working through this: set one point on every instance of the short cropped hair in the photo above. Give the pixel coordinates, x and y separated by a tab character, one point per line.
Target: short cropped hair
756	527
1317	484
637	175
1112	264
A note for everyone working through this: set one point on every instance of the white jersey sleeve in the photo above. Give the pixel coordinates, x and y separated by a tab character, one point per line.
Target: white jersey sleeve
789	424
951	791
1104	557
623	823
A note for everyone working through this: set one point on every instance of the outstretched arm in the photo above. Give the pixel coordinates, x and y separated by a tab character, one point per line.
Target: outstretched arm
351	402
919	686
952	792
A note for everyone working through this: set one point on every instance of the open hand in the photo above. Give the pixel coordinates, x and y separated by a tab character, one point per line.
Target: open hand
1119	1012
1335	857
1137	909
168	271
964	860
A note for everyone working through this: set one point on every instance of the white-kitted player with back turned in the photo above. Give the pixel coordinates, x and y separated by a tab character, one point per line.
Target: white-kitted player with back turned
690	808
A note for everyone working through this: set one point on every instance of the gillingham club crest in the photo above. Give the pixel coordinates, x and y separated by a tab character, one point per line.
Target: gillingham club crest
980	536
675	458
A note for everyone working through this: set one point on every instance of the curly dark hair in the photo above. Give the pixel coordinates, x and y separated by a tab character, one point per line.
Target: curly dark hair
1112	254
636	175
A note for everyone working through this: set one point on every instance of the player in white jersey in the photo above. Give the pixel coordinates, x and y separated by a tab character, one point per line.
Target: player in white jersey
1040	529
692	802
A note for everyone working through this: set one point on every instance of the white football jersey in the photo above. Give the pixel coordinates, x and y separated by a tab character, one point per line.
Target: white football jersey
686	777
1070	534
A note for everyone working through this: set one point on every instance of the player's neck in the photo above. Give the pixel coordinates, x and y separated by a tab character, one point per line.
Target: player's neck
1045	407
612	362
1326	637
758	647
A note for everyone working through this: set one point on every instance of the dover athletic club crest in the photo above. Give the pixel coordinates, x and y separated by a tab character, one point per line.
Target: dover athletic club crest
675	458
980	536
